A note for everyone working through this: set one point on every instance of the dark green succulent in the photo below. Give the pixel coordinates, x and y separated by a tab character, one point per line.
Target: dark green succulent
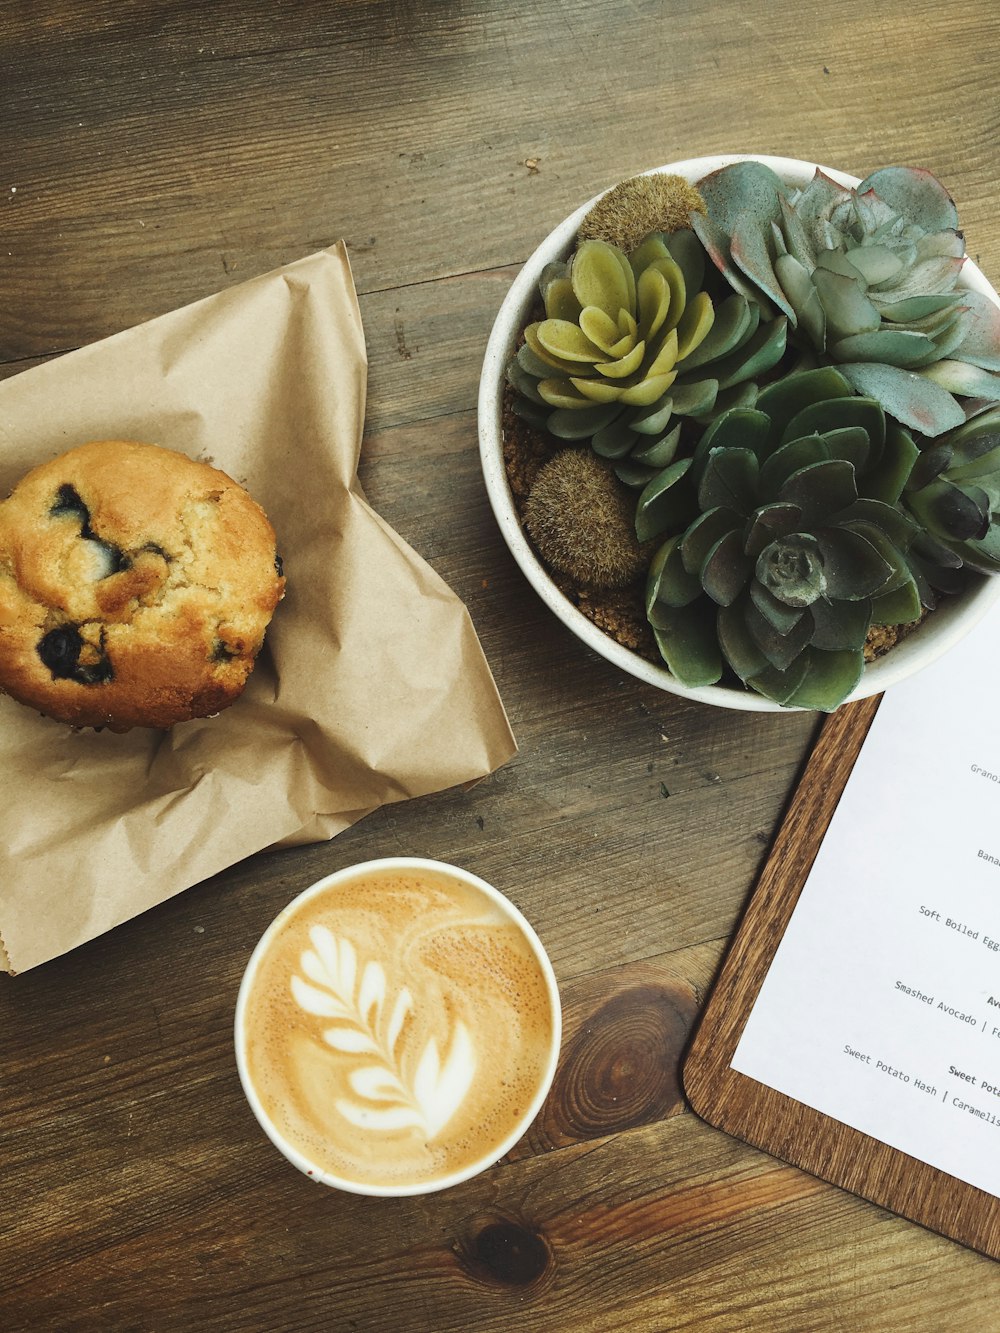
954	494
787	543
868	279
631	342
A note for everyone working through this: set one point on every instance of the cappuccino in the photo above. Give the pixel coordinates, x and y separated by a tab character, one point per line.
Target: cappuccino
397	1027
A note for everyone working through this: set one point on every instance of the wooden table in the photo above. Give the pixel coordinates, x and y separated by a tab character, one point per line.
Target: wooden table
153	153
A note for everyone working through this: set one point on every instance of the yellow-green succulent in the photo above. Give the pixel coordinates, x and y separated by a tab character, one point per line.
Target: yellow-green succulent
631	342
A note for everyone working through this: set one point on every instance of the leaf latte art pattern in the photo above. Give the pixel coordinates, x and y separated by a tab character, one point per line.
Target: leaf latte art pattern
370	1031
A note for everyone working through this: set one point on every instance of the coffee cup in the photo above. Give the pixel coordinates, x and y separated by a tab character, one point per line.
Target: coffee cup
397	1027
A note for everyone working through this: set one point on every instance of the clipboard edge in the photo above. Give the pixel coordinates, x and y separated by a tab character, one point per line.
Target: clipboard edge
769	1120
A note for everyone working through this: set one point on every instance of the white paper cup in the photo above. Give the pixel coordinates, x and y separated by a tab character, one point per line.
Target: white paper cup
270	1002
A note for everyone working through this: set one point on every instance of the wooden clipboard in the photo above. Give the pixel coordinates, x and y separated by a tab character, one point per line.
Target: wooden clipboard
768	1119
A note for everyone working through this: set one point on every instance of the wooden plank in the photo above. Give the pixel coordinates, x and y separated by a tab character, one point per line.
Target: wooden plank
425	348
671	1226
221	156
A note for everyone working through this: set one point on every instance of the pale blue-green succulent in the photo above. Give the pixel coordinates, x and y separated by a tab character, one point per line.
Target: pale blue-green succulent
867	278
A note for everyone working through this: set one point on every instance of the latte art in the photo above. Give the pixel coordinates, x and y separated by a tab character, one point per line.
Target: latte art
384	1097
397	1027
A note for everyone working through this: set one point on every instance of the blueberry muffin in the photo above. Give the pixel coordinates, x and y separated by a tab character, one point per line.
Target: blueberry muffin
135	587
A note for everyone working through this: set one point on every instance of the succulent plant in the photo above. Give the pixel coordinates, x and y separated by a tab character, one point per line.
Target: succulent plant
777	441
867	277
954	493
787	542
629	342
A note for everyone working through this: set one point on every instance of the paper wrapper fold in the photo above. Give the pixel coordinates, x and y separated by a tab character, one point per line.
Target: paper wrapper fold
372	686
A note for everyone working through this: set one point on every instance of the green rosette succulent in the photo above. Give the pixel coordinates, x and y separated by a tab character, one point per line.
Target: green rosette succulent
787	543
631	342
954	493
867	277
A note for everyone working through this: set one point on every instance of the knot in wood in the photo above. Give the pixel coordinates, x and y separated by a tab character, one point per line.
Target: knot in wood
505	1251
621	1069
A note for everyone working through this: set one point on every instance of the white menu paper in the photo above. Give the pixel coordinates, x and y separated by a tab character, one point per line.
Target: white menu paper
881	1007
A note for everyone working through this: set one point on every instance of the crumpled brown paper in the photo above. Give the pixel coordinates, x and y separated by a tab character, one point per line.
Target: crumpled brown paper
372	686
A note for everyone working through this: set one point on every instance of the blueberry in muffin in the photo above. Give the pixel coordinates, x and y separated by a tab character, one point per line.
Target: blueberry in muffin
136	586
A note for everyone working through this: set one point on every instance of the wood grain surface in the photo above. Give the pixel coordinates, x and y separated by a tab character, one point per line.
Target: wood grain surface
156	151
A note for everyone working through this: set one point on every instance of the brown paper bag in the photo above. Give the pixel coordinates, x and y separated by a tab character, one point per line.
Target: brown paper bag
372	686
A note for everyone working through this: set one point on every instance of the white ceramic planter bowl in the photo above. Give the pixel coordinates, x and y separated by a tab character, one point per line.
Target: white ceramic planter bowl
949	623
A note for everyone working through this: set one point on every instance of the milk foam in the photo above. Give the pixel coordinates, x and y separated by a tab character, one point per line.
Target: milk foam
383	1095
398	1027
